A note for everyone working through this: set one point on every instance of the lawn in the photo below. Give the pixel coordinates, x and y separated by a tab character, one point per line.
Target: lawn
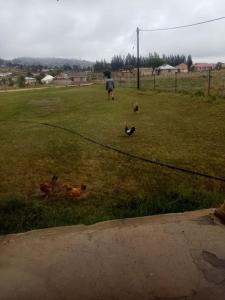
178	129
192	83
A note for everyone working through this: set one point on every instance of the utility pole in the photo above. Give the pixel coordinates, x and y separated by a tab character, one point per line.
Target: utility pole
209	82
138	60
175	84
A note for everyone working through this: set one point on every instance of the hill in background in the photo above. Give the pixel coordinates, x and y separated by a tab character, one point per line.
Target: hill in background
50	62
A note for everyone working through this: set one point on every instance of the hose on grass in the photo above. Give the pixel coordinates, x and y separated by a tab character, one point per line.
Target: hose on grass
140	158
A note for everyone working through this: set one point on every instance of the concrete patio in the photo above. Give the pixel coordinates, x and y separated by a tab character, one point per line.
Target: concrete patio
176	256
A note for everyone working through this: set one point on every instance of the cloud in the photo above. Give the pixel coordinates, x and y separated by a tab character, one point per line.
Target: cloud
95	29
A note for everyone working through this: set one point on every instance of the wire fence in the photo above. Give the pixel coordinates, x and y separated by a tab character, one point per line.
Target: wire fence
203	83
200	83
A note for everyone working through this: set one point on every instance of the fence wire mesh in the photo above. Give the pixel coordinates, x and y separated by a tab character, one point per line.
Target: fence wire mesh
202	83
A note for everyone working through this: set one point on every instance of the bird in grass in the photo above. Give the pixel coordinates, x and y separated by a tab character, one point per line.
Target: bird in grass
129	131
75	192
48	187
135	107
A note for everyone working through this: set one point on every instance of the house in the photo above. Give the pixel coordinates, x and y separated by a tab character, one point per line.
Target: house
203	67
79	79
47	79
144	71
125	74
62	79
71	78
30	80
182	68
5	75
166	69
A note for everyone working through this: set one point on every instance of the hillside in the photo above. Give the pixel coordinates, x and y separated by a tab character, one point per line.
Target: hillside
50	61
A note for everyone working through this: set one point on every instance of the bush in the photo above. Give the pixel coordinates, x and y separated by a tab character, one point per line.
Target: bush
21	81
18	215
171	201
199	93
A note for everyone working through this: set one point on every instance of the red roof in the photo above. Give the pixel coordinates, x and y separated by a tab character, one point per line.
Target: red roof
181	66
203	65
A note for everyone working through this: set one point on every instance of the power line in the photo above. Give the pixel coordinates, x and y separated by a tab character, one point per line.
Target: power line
146	160
165	29
183	26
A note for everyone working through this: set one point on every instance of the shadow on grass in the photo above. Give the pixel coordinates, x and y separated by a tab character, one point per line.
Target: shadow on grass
19	215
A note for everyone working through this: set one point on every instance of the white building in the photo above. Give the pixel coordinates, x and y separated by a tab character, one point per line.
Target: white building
165	69
30	80
4	75
47	79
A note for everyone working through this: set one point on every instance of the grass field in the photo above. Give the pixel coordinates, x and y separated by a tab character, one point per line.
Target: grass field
195	83
179	129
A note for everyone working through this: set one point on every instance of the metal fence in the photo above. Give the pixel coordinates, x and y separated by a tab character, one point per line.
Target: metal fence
202	83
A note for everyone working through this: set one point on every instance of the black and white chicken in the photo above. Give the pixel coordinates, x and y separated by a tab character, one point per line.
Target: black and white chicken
129	131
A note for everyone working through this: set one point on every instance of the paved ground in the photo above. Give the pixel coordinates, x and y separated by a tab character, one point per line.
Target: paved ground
164	257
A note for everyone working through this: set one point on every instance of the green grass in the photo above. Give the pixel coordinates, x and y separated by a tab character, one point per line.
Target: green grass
184	130
18	215
192	83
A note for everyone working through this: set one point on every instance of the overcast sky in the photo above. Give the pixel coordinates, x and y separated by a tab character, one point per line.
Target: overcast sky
96	29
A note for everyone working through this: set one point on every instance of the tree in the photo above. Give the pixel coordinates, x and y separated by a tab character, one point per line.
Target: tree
39	77
102	65
3	81
107	73
67	67
219	66
76	68
117	63
153	60
10	82
189	62
21	81
29	74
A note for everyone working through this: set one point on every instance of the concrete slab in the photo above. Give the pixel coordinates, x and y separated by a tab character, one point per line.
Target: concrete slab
177	256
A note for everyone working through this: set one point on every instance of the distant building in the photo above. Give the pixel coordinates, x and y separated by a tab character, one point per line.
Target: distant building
165	69
203	67
4	75
144	71
71	78
30	80
47	79
62	79
182	68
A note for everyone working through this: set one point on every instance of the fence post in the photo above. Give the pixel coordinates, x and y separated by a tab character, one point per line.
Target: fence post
175	83
154	81
209	82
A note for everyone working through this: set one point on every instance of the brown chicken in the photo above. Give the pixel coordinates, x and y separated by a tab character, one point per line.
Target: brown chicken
77	192
48	187
68	187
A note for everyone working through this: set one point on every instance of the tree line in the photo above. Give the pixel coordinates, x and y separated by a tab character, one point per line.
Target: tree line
153	60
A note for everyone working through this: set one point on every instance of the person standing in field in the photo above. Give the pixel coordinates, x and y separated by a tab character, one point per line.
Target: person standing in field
110	86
